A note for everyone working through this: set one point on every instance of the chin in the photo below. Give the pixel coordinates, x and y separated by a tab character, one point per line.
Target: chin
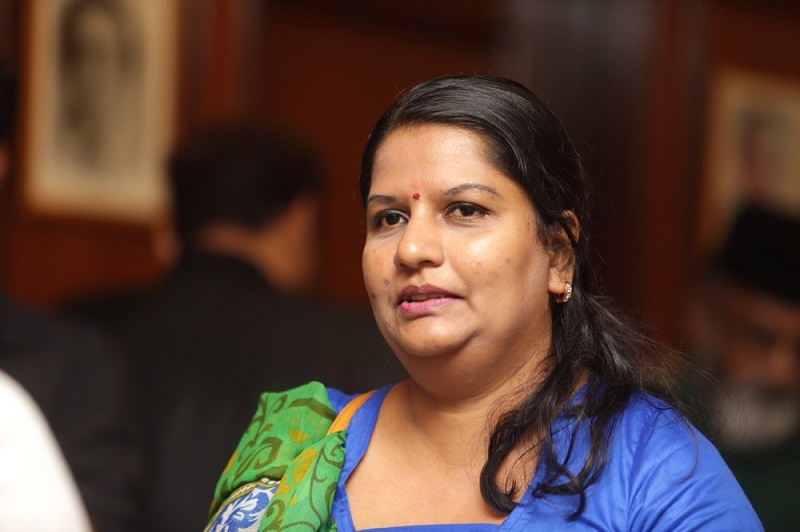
419	347
427	339
426	351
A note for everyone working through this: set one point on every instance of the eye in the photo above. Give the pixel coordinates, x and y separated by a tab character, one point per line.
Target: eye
466	210
388	219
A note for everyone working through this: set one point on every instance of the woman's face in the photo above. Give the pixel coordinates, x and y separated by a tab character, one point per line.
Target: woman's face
452	262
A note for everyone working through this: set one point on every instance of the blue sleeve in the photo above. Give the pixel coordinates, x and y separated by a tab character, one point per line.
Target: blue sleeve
682	483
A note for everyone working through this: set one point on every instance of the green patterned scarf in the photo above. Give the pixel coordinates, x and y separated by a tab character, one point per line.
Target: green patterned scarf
288	440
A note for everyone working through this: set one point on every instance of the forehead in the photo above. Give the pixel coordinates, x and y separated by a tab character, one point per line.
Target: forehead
422	148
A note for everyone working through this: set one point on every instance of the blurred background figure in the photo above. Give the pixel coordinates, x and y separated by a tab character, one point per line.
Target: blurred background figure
76	377
229	322
748	330
28	450
37	491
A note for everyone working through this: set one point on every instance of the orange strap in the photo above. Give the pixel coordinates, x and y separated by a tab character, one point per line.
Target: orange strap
343	419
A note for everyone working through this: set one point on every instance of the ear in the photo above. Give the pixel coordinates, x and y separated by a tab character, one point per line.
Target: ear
562	256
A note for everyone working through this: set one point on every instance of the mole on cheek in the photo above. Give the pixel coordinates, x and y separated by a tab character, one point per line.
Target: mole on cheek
508	260
386	282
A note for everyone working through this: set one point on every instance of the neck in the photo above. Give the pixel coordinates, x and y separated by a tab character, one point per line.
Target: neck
453	407
473	376
451	434
255	247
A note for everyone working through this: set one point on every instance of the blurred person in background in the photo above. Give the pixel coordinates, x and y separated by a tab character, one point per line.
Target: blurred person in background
748	331
229	321
76	378
29	454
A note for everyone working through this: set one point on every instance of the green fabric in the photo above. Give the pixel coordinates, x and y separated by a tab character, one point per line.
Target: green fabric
287	440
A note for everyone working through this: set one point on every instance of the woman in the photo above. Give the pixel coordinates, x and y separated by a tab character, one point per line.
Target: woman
530	403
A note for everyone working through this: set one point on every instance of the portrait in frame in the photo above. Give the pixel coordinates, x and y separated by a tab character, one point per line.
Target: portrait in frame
100	108
753	155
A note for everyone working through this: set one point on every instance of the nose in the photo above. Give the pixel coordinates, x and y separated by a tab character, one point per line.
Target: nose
420	245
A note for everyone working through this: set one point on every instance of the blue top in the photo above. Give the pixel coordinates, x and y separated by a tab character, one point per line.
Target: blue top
661	474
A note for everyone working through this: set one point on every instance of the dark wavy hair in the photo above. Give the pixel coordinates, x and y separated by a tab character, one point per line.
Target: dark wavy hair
528	144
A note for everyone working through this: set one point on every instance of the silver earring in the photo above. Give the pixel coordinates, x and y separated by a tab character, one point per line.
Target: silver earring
564	296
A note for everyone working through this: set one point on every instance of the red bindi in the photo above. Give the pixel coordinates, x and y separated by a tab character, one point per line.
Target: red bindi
416	195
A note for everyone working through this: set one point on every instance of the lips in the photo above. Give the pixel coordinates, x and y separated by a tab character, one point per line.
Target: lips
424	299
413	294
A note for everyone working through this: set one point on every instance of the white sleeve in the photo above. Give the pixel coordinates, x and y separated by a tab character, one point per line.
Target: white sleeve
37	491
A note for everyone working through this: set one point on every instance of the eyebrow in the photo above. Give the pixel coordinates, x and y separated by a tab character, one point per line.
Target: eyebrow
471	186
382	199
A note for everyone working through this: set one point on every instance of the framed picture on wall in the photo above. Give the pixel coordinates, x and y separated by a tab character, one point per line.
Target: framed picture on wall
754	149
99	107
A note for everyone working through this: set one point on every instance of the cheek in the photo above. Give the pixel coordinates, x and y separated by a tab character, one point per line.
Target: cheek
479	253
373	267
508	264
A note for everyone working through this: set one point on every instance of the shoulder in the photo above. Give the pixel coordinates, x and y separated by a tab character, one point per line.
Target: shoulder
23	426
339	399
313	394
75	354
646	421
30	454
15	401
314	391
659	444
660	473
28	332
285	424
310	401
675	478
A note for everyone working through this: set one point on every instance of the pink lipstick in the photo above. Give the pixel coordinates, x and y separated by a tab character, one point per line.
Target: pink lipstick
424	299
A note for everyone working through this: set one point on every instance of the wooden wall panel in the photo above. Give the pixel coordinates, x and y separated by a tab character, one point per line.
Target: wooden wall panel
50	261
324	68
8	57
328	76
667	185
762	36
624	78
54	260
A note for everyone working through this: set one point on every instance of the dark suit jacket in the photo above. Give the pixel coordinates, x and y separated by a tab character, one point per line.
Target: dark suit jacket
206	345
76	376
